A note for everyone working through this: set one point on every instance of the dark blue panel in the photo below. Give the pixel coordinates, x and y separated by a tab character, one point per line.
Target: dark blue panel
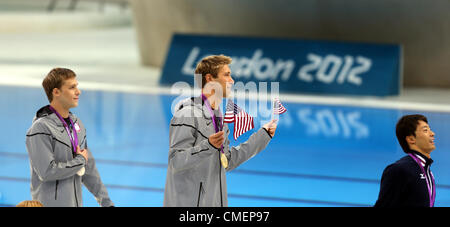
300	66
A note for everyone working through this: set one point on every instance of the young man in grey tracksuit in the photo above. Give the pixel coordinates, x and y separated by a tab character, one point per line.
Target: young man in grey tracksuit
196	175
60	161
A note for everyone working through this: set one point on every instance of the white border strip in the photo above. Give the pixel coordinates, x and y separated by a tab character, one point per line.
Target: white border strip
310	99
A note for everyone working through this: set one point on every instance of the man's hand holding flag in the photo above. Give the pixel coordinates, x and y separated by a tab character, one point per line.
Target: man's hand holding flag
243	122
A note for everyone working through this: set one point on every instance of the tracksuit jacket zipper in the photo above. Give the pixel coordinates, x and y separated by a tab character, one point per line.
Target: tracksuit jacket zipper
199	193
56	189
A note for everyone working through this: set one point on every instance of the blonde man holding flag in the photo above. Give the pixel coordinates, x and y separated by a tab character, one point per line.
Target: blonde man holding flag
199	152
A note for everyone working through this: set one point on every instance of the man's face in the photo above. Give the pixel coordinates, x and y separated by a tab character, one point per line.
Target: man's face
69	93
424	139
225	80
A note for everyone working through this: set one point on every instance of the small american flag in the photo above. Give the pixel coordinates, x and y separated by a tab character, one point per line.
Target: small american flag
278	108
243	122
232	109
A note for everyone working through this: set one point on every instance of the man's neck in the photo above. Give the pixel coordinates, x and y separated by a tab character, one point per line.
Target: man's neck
213	100
64	112
426	154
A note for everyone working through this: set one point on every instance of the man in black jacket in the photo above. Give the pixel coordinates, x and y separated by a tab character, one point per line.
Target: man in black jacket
409	182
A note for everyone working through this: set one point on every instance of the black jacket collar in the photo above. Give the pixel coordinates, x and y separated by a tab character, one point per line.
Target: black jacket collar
46	111
428	161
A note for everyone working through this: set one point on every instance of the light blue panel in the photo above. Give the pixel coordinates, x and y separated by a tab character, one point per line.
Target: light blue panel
321	155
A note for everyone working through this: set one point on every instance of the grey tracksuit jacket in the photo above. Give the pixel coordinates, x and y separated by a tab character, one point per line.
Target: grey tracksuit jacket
195	176
54	181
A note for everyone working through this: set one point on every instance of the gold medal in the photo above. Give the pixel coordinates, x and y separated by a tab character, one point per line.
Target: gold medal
224	160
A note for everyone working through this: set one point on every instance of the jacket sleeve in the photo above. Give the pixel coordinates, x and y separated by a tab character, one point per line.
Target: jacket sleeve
91	179
40	150
182	137
255	144
392	186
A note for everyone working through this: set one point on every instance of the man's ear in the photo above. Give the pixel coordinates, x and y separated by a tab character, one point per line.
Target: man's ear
208	78
411	139
56	92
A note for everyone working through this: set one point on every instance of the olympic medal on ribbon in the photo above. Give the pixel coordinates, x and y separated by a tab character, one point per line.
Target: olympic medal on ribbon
224	160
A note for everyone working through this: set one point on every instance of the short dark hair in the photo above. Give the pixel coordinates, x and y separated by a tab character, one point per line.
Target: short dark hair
55	79
407	126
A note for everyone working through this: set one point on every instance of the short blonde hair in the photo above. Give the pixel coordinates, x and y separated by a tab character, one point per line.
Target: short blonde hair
30	203
211	65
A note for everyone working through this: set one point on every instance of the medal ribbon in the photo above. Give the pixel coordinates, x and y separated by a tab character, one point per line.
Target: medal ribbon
217	129
74	139
431	194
